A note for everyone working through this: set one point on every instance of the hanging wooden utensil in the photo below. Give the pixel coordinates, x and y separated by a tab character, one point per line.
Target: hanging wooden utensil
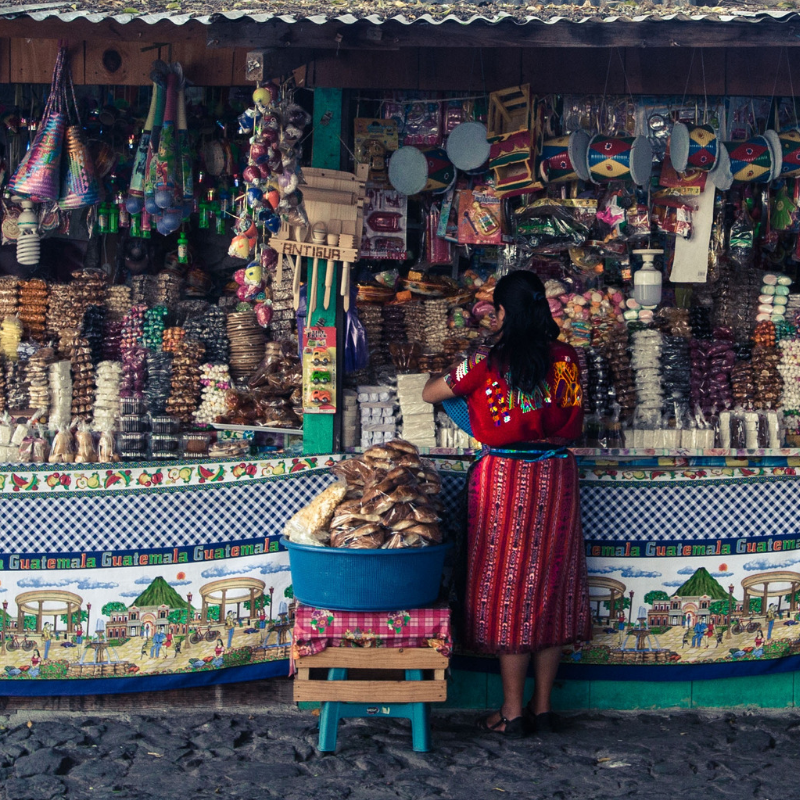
298	266
346	242
311	296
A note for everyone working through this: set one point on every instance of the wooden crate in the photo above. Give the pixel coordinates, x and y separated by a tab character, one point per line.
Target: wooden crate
509	111
433	690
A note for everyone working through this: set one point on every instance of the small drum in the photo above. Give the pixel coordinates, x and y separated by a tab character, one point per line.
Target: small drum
441	174
408	170
755	160
790	153
564	159
693	147
619	158
467	146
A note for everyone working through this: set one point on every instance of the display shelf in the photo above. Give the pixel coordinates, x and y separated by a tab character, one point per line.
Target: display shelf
631	452
262	428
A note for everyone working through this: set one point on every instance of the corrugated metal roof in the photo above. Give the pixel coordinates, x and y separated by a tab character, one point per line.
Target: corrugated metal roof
416	11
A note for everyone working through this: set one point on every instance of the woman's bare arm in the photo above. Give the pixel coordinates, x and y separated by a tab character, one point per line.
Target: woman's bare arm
436	390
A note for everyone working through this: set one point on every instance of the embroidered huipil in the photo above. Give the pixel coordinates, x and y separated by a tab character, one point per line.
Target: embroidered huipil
500	416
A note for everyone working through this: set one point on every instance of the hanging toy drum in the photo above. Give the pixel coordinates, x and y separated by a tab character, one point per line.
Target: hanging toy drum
619	158
755	160
408	170
693	147
564	159
441	172
790	153
467	146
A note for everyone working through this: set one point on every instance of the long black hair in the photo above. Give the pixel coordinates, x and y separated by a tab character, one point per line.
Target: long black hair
523	350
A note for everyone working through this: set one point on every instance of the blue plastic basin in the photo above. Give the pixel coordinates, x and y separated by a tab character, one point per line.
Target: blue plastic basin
341	579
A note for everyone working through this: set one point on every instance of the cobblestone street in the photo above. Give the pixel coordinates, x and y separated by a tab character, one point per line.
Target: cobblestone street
183	755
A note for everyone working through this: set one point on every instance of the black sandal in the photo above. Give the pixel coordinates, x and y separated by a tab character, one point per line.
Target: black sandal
545	723
514	727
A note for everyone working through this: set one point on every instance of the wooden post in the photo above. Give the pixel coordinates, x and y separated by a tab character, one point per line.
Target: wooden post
327	125
39	618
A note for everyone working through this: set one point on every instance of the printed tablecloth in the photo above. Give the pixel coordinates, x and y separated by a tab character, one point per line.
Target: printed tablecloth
134	577
317	628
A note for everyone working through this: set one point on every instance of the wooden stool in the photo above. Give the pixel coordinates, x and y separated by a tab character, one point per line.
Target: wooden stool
342	697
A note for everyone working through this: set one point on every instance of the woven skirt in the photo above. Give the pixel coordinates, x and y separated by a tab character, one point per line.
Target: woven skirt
526	587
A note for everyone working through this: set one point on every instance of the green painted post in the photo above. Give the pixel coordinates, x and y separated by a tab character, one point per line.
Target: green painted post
327	122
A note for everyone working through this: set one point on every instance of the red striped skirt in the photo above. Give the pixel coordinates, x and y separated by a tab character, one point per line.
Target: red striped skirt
527	587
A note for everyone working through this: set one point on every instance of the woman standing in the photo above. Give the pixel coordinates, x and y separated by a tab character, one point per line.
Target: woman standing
527	593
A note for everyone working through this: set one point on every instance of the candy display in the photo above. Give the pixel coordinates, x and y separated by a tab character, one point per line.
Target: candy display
185	383
216	381
33	307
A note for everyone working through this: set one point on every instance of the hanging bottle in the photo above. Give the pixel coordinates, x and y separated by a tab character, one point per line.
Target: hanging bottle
183	248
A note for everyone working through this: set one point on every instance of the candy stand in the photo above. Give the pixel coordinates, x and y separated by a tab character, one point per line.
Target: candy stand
231	257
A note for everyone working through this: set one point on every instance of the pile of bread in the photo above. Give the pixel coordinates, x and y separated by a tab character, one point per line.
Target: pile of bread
387	499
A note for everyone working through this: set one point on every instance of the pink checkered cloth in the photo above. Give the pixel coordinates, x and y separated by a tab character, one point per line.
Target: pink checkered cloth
317	628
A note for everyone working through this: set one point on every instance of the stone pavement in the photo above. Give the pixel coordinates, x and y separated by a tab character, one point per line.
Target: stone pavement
241	753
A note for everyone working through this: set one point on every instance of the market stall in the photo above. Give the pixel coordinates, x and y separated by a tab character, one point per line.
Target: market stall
210	296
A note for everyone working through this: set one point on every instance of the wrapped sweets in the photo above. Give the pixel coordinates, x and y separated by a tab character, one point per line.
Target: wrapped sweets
159	381
83	385
372	320
33	307
112	339
414	316
10	337
765	360
9	297
619	362
598	374
215	380
712	362
133	327
434	331
134	374
60	380
118	302
93	331
2	383
166	290
37	372
185	393
58	309
143	290
153	328
210	329
789	368
16	392
88	287
171	338
106	404
646	364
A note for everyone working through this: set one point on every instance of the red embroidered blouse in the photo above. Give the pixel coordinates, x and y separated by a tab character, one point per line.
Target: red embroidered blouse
499	416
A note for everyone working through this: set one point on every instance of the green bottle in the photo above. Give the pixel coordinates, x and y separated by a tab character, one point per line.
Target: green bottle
183	248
